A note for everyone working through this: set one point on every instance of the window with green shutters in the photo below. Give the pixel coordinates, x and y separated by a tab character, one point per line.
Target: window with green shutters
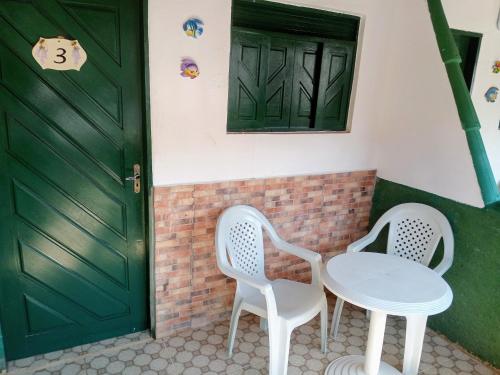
289	81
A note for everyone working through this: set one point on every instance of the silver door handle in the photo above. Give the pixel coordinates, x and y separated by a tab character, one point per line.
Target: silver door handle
136	178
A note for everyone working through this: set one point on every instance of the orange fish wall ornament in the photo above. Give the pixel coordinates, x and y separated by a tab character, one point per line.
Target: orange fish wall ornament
496	67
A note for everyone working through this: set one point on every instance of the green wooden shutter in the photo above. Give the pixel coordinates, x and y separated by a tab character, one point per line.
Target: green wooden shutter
279	84
247	87
288	84
334	86
305	82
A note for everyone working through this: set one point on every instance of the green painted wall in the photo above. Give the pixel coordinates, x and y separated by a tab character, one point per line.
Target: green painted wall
473	320
3	364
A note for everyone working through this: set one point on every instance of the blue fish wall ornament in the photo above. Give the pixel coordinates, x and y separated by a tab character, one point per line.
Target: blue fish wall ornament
491	95
193	27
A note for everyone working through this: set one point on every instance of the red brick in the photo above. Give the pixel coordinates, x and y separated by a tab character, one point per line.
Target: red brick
321	212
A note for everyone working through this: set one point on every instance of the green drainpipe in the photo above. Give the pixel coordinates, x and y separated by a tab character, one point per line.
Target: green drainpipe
466	111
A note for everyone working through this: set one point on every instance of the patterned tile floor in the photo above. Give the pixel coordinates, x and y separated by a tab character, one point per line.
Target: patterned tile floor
202	351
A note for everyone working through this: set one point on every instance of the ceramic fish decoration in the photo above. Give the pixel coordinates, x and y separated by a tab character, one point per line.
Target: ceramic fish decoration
496	67
189	68
193	27
491	95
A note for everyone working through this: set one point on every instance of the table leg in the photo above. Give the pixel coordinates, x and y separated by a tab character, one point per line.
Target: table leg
370	363
415	331
375	342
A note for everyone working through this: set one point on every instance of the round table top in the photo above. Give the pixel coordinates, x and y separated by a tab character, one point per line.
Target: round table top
387	283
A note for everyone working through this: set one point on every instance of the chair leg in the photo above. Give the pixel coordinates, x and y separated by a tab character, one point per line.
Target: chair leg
235	315
324	325
279	347
334	330
263	324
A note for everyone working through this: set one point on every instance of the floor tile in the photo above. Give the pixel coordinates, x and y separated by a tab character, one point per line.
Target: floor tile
203	351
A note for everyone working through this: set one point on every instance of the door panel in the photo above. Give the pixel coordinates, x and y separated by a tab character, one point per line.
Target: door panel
72	255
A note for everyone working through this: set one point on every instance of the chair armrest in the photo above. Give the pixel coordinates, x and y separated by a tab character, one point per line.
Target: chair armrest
443	266
298	251
449	245
360	244
312	257
264	287
368	239
260	285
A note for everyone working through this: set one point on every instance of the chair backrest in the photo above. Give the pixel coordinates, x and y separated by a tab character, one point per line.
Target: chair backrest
415	231
239	239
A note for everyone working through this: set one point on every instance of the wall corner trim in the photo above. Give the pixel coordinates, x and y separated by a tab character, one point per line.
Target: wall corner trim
466	111
149	173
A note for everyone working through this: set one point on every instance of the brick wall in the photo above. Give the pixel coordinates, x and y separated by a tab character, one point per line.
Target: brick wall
322	212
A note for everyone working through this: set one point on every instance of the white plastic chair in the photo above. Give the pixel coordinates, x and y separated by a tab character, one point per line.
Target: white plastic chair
285	304
414	233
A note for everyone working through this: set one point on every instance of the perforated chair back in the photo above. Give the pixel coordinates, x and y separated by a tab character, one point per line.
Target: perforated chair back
245	247
240	231
415	231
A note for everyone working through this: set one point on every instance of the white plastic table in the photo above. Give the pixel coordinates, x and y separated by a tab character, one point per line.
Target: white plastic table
386	284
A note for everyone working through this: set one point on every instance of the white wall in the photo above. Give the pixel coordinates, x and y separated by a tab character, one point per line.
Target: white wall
190	143
404	122
467	15
420	139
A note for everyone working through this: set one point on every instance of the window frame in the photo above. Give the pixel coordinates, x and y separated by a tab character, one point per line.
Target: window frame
476	37
346	109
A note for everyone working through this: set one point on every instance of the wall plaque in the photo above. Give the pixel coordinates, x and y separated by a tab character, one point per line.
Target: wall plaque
59	54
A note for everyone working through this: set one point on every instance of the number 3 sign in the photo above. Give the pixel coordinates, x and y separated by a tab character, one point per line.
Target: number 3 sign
59	54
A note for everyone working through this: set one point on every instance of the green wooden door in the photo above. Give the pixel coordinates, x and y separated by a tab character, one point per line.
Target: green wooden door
72	250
